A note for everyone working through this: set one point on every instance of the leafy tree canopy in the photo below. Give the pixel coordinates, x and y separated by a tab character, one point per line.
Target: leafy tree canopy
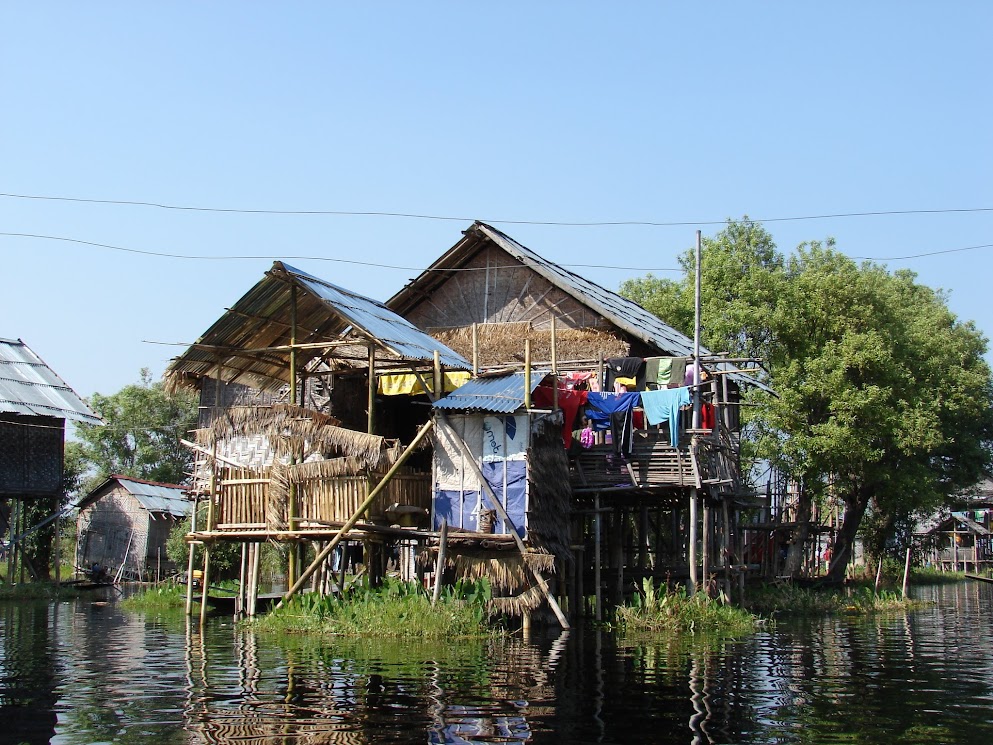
884	395
141	435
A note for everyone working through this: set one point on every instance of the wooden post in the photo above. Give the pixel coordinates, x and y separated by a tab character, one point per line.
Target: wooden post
706	533
475	349
439	377
527	374
906	573
879	575
350	523
439	568
190	562
58	546
596	556
371	423
291	511
555	372
692	541
696	338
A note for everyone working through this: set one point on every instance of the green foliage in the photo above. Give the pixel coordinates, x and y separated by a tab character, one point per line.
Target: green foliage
167	597
396	609
790	599
660	610
884	395
141	434
225	556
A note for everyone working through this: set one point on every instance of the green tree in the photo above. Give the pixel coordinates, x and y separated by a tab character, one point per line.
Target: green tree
884	396
142	432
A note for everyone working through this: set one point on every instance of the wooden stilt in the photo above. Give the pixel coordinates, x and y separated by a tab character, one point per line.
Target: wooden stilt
694	579
439	567
597	580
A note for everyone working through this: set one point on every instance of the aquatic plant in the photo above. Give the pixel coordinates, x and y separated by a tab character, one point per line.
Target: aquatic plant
790	599
659	609
395	609
158	598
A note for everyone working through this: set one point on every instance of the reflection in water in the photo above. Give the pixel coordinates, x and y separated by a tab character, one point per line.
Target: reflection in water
83	672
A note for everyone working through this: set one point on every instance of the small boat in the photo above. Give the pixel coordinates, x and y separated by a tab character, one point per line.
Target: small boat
979	577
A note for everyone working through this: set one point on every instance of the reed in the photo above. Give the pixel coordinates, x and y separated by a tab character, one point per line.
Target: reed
661	610
394	610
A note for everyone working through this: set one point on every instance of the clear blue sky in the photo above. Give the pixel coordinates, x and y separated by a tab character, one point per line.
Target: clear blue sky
559	111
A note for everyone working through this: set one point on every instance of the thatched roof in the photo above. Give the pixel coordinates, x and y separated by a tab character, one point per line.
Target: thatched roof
501	342
294	430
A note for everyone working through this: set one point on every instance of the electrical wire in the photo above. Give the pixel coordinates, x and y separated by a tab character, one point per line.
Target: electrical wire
419	216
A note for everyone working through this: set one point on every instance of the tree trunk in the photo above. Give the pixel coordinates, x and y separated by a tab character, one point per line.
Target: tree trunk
794	557
843	550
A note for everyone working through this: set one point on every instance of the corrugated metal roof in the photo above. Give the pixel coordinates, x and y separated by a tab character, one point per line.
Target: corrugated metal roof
503	394
970	523
30	387
240	342
395	332
158	497
623	313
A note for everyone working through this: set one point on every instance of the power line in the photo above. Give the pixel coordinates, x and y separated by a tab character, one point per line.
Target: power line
195	257
453	218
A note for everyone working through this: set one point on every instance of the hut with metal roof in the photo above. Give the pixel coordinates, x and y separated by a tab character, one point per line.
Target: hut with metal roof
123	525
652	494
296	441
501	486
34	406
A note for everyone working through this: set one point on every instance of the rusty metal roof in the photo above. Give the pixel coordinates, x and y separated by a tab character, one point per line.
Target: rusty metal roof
503	394
249	343
31	388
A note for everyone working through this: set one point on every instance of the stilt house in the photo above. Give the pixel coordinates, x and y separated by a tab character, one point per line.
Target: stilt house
346	466
649	495
34	406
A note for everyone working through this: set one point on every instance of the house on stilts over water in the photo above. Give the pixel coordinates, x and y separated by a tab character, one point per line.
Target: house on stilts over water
293	444
589	433
577	445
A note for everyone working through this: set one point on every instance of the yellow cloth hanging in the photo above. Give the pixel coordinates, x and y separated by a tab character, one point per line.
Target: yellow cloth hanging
407	384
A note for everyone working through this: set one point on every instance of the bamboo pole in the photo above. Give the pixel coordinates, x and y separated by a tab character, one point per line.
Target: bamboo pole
527	374
597	523
291	509
555	372
692	541
906	573
439	568
705	534
350	523
475	349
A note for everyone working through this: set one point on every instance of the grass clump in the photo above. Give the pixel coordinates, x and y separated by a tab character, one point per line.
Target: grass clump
160	598
30	591
657	610
396	609
789	599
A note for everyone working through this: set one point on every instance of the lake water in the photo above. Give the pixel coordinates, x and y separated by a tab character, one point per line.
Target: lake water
85	671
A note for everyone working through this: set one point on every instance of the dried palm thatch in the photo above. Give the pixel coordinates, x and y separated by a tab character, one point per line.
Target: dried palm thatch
517	605
503	343
278	498
296	431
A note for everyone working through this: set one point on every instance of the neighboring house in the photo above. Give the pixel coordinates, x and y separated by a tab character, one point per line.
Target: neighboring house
34	406
124	523
961	542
